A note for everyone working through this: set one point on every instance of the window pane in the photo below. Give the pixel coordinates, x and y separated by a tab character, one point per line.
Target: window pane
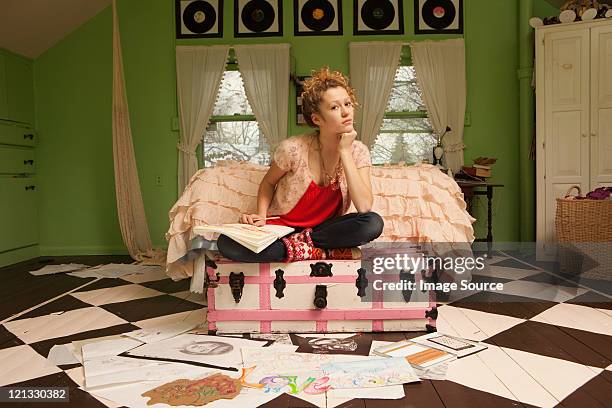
235	141
232	99
405	94
409	140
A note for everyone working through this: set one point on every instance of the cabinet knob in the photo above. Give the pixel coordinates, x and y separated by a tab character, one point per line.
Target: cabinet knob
30	188
30	162
584	135
28	136
593	134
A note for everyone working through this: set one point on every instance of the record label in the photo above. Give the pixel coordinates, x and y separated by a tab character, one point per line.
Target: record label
377	14
439	14
199	17
317	14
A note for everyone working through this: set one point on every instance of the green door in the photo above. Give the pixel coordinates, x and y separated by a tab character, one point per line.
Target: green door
20	89
18	212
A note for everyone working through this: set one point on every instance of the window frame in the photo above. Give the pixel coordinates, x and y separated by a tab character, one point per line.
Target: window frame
406	60
231	65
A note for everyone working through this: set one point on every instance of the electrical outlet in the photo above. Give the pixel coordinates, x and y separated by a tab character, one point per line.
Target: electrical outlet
158	181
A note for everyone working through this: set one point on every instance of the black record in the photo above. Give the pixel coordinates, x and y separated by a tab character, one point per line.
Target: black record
377	14
199	17
257	15
318	14
438	14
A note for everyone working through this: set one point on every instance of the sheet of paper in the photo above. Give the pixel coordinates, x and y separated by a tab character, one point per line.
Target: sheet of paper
118	270
390	392
214	350
61	354
159	333
418	355
435	372
85	273
275	337
115	370
77	345
283	347
454	345
111	347
131	395
358	344
51	269
370	373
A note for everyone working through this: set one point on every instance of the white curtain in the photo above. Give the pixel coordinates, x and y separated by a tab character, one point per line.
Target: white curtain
440	70
373	67
130	208
199	70
265	71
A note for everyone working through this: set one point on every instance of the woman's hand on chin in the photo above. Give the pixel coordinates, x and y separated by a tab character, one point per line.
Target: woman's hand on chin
346	140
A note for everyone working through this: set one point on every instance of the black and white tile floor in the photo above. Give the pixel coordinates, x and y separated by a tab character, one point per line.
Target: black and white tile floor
550	342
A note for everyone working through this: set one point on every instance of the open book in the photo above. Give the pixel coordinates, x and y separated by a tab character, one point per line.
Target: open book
254	238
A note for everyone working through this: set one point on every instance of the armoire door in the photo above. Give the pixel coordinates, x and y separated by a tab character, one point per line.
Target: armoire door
601	107
566	71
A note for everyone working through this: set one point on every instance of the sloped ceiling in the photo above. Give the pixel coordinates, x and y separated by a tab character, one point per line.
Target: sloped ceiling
30	27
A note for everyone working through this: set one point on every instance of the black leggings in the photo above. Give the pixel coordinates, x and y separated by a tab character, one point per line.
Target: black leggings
347	231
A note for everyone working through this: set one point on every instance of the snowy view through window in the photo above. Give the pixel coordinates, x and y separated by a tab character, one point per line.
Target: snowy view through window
234	140
407	139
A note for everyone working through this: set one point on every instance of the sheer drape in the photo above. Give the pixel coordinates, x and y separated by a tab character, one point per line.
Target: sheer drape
372	70
265	71
199	70
440	70
130	208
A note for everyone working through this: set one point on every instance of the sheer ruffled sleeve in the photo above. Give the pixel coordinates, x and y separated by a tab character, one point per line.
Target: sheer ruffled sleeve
286	155
361	154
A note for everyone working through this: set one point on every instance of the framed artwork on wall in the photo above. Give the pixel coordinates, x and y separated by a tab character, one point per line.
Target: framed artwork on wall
371	17
258	18
317	17
199	18
438	16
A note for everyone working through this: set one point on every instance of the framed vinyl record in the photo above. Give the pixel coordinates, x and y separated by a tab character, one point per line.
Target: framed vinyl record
199	18
258	18
438	16
317	17
371	17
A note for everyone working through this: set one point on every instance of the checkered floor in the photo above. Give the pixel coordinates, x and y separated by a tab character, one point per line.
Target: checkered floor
550	341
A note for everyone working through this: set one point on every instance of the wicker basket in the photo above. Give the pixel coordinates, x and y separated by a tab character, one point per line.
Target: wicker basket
583	220
584	234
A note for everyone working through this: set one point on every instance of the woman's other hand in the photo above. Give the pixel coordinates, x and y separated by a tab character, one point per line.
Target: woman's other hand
253	219
346	140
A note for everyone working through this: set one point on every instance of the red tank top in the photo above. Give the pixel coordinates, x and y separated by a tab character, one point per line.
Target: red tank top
316	205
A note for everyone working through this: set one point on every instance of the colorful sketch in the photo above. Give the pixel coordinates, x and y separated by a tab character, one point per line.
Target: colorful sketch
194	392
370	373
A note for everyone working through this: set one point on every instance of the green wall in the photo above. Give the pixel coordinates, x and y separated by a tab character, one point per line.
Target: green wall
73	83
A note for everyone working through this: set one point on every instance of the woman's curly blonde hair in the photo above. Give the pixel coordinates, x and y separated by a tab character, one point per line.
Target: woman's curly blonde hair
315	86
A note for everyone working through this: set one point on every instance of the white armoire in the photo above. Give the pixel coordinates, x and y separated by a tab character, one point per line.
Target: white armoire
573	114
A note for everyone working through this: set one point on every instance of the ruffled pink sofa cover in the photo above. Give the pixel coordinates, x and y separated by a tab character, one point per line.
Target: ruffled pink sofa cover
418	203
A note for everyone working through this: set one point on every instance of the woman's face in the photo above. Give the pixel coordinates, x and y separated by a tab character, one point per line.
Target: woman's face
335	111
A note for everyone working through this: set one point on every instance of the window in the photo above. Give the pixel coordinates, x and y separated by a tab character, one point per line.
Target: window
233	133
406	134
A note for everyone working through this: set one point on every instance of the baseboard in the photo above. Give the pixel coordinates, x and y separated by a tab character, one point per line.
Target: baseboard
19	255
84	250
